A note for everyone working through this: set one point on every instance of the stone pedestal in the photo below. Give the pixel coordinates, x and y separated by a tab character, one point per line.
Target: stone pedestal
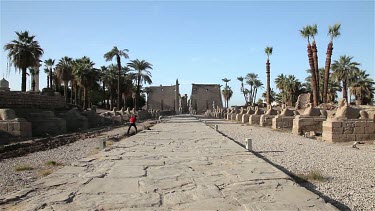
15	128
239	117
280	122
46	123
335	130
266	120
245	118
303	124
254	119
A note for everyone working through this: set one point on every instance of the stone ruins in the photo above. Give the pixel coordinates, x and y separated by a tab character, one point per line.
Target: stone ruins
346	124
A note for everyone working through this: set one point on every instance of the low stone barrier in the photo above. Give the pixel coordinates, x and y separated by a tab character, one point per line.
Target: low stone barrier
337	130
303	124
280	122
30	100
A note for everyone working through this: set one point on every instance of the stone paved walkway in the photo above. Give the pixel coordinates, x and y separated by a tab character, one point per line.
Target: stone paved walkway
181	164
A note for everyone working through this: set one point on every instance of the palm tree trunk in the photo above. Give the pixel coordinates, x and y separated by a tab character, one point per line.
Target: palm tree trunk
344	90
313	76
75	93
71	92
103	94
85	98
47	81
138	90
326	71
111	105
50	78
268	70
66	91
316	67
251	94
23	83
255	95
118	81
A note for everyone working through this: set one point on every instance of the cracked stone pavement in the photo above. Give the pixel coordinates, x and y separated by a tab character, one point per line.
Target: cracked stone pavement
180	164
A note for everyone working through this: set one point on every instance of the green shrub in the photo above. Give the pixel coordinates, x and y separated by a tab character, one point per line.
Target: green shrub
52	163
24	168
311	176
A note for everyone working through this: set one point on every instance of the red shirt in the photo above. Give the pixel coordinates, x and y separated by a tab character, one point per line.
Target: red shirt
133	119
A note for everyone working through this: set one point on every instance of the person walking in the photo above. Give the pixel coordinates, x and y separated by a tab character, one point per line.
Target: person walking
132	121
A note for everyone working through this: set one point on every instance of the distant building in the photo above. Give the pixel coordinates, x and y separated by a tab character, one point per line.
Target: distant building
205	96
164	98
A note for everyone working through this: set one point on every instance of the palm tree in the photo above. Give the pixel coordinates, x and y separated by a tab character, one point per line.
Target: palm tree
115	52
268	51
343	70
111	78
242	87
362	87
226	80
64	71
104	79
24	53
314	31
49	65
281	82
257	84
142	74
305	32
33	72
250	79
227	94
86	76
333	31
46	71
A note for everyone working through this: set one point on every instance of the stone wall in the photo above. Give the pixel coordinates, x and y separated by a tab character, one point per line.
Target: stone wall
303	124
203	96
28	100
335	130
162	98
281	122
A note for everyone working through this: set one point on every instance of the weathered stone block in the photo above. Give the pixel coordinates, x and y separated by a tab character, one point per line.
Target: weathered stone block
351	137
4	126
336	124
245	118
348	130
254	119
266	120
360	124
359	130
369	130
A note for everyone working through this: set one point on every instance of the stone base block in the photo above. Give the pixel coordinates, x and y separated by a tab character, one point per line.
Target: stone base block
305	124
254	119
245	118
280	122
16	128
335	130
266	120
239	117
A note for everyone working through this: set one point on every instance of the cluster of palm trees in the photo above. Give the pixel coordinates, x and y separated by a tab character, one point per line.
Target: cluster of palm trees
253	81
84	79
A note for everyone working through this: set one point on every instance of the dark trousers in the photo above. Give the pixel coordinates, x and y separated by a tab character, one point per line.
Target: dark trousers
132	124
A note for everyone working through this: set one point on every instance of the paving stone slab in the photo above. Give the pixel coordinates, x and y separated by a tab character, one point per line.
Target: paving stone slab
111	185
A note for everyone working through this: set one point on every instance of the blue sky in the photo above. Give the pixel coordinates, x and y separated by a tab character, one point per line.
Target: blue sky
194	41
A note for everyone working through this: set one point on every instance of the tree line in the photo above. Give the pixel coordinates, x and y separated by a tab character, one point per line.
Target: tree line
342	75
83	83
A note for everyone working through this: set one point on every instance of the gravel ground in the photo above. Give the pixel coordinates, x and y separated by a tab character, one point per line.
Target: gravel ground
349	172
12	180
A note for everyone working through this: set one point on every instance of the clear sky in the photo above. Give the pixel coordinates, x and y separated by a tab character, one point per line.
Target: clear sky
194	41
